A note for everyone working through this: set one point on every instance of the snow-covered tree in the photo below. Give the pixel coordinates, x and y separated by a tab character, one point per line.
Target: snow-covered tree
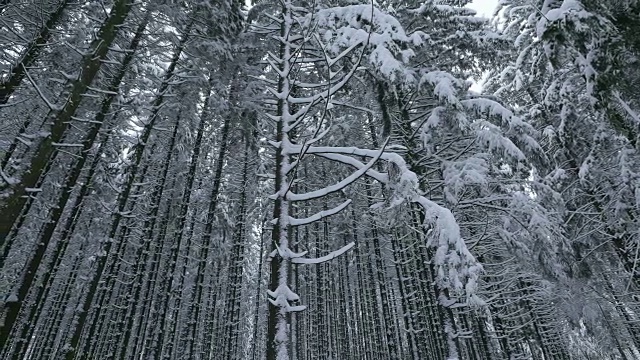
150	150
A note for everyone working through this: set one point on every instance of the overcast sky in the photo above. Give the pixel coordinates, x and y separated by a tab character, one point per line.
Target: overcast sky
484	7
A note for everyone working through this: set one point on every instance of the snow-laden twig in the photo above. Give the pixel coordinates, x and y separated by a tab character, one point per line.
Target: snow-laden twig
627	108
340	185
44	98
320	260
320	215
7	179
457	268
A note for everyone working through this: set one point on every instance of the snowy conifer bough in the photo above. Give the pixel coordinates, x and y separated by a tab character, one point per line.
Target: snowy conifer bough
131	226
336	41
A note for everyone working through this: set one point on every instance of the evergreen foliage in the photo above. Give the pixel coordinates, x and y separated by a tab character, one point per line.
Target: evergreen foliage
316	180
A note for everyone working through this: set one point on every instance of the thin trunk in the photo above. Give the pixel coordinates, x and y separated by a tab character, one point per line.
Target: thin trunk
278	318
31	269
51	272
404	277
256	316
124	196
11	208
182	216
106	291
237	264
205	246
143	251
17	141
30	54
142	334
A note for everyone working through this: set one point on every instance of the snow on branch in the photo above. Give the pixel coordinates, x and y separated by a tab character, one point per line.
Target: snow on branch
352	25
285	291
348	160
281	297
320	260
50	105
320	215
457	268
635	116
338	186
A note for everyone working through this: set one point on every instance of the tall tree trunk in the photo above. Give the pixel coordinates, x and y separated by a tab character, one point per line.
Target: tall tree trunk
11	207
32	50
19	139
124	196
31	269
51	272
236	267
182	217
140	259
144	333
205	246
107	286
256	311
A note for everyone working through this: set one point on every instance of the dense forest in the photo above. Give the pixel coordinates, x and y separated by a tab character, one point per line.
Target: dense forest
316	180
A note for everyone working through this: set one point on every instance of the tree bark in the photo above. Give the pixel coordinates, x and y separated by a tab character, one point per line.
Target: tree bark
31	269
124	196
11	208
30	54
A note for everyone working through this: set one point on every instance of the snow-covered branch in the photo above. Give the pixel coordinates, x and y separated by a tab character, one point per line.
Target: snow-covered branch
320	260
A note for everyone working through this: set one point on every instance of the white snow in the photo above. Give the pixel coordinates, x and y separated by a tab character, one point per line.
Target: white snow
320	260
319	215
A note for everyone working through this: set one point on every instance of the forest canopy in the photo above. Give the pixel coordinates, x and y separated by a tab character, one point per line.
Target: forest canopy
292	179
